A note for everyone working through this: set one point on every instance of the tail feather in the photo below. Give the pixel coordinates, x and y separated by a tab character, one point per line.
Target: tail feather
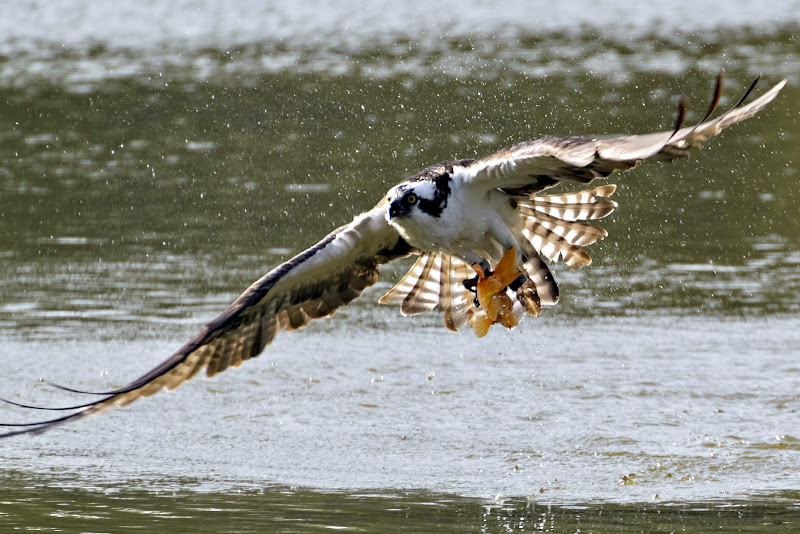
401	289
461	307
418	290
424	296
454	299
552	224
542	279
445	299
434	283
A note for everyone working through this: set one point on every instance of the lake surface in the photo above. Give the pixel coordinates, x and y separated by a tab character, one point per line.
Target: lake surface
155	159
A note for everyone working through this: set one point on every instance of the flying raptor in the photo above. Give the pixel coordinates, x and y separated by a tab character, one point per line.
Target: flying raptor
460	218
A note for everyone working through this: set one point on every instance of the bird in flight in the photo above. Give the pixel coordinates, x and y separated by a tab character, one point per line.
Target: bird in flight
460	218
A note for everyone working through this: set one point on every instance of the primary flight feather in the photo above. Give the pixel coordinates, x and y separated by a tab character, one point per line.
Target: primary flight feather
454	215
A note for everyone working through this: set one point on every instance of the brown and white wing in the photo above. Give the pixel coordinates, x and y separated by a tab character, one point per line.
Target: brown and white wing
556	226
311	285
435	283
550	226
532	166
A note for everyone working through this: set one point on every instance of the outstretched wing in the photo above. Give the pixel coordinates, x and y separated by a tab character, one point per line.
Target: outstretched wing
311	285
532	166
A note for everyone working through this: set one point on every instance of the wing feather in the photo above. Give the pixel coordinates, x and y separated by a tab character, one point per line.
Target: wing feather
551	225
435	283
336	270
532	166
311	285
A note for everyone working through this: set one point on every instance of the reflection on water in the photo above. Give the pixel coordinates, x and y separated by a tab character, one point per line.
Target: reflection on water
145	181
45	504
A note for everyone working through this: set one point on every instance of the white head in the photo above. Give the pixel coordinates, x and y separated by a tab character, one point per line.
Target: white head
415	205
415	197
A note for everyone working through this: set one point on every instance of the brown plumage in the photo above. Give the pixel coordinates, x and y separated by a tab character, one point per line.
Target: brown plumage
332	273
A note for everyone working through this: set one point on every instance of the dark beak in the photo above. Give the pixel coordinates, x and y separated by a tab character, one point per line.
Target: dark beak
395	209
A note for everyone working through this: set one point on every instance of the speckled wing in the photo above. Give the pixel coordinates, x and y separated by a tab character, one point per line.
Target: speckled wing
532	166
311	285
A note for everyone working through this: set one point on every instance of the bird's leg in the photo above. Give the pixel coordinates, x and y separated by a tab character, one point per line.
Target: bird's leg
516	284
482	270
471	284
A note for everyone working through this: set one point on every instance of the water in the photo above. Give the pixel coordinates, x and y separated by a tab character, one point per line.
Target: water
665	409
155	164
289	510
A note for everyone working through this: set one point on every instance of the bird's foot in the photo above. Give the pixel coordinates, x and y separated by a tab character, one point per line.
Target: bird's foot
471	284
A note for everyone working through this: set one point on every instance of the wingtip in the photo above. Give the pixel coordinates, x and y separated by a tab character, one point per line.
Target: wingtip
47	408
715	99
41	426
778	86
683	106
747	93
73	390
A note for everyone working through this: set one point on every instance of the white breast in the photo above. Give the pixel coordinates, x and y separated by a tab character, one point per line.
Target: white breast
470	227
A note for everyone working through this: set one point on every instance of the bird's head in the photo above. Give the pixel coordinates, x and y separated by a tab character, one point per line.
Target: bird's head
403	200
417	197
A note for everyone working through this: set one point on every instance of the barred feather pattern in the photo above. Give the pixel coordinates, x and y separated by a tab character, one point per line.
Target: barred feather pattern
553	225
550	225
542	279
434	283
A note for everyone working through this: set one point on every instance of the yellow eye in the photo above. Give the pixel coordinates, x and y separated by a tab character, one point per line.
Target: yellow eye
411	199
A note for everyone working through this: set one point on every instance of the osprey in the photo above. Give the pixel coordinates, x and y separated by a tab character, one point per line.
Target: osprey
454	215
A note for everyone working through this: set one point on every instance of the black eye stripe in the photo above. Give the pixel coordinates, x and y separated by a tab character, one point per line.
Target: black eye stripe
433	207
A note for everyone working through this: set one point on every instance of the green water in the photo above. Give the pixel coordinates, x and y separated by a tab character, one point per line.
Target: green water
131	181
144	183
38	507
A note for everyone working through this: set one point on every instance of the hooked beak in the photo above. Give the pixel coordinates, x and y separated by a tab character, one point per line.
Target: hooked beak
396	210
